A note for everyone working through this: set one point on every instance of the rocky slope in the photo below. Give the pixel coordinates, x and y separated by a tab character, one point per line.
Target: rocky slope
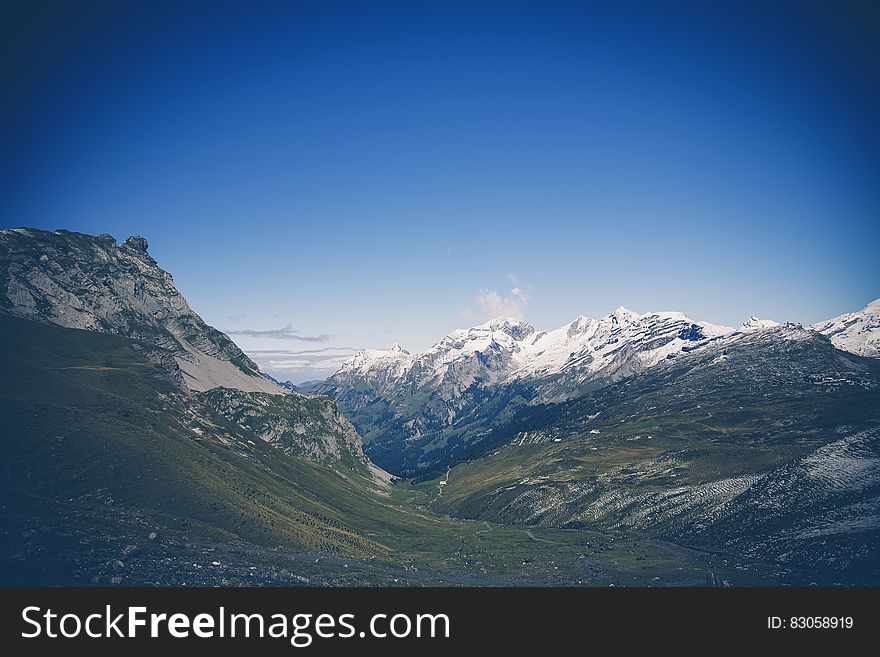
93	283
110	474
126	415
298	425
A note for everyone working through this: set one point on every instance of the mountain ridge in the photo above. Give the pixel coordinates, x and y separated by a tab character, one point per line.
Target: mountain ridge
79	281
363	358
763	444
409	405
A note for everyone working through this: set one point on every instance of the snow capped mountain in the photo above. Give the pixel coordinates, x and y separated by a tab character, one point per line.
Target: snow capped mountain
481	374
369	359
509	349
408	406
617	345
589	346
497	340
754	323
857	332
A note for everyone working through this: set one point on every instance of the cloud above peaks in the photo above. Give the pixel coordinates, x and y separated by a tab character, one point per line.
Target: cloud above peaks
489	304
284	333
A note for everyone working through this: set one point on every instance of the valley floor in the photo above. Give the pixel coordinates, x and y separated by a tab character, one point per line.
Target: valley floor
91	544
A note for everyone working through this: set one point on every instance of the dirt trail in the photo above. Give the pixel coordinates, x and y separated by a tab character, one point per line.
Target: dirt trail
442	483
527	532
96	368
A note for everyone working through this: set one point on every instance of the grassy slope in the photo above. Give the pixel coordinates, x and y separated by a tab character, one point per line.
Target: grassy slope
84	413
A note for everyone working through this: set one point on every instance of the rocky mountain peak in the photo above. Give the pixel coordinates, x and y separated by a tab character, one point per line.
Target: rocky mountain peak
754	322
515	328
137	243
85	282
621	315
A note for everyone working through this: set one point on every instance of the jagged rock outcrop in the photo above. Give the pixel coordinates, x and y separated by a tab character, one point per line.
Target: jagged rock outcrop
93	283
299	425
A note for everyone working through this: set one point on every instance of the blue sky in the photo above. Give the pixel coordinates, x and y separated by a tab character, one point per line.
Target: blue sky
321	177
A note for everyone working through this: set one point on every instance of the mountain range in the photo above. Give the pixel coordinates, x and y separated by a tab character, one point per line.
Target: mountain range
142	446
418	411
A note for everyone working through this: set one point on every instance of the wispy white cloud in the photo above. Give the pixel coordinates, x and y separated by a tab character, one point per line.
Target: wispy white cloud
283	333
299	352
489	304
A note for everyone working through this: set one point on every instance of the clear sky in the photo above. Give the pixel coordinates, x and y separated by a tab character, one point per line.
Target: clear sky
325	176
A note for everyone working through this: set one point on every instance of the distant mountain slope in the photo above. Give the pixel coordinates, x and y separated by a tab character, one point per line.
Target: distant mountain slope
502	350
79	281
418	411
857	332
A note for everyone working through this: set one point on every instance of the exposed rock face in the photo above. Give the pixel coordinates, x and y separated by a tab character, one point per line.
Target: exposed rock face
137	243
297	424
165	363
84	282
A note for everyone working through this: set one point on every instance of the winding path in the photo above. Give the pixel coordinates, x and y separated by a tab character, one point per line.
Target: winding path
527	532
442	483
